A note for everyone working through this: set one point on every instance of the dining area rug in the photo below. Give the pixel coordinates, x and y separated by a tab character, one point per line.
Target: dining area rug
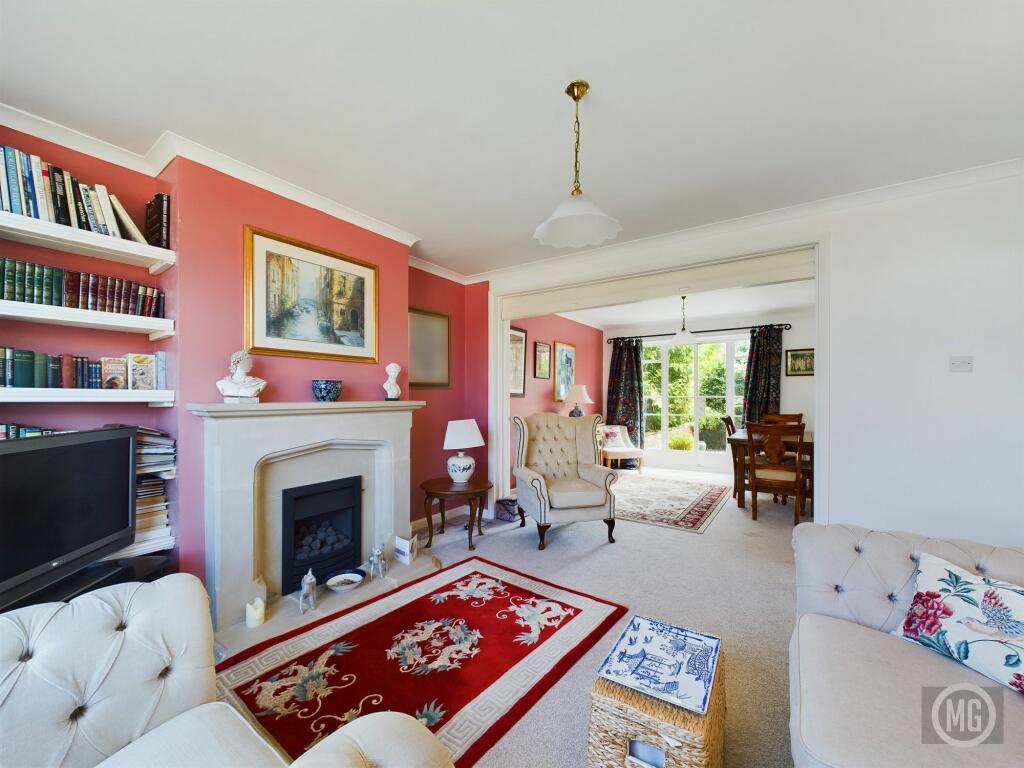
668	502
466	650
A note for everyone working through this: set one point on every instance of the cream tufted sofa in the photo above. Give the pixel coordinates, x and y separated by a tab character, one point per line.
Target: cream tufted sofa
558	478
123	677
855	690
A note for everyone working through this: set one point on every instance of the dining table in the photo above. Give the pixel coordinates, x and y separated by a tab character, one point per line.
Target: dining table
739	439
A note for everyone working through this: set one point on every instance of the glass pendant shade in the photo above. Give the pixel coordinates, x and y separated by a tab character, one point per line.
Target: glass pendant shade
576	222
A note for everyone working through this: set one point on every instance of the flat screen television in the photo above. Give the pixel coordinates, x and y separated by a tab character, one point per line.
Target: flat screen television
66	501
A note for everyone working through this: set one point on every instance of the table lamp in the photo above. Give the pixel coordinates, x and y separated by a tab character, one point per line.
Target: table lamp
578	394
462	434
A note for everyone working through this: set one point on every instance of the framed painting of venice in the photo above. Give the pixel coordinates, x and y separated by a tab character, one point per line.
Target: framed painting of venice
305	301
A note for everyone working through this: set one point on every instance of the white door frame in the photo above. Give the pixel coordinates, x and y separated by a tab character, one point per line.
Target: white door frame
499	453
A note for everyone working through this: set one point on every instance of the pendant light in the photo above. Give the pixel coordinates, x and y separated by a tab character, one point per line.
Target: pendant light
577	221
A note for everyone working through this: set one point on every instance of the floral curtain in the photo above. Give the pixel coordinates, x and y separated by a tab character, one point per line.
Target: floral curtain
626	388
764	373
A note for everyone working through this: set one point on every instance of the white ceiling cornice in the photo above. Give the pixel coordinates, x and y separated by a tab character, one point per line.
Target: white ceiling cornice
170	145
439	271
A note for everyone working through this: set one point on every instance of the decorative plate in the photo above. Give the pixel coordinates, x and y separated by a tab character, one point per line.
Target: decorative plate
670	663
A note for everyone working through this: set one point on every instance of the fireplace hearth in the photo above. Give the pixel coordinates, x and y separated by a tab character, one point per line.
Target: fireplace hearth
321	529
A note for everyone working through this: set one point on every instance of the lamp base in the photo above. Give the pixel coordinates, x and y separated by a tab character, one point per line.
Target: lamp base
577	411
460	468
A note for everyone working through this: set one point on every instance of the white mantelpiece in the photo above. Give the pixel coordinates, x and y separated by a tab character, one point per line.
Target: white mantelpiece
251	451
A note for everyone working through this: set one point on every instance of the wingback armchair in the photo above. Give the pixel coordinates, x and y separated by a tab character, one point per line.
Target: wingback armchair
558	477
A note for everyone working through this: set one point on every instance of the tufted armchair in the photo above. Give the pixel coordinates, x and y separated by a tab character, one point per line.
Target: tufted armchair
558	478
123	677
856	692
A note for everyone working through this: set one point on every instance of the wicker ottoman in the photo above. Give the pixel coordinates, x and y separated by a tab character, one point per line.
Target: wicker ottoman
619	714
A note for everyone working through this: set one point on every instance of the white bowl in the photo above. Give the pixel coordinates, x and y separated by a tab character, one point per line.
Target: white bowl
347	581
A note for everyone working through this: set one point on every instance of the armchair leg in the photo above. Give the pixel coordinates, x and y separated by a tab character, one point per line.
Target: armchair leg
522	517
610	522
542	529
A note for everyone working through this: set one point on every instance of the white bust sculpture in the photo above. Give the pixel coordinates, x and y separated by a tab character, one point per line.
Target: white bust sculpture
391	388
240	383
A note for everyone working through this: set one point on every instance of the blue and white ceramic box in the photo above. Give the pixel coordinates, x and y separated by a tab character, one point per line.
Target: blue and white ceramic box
670	663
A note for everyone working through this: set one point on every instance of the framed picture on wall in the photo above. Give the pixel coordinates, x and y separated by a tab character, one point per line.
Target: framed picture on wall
305	301
799	362
565	370
517	373
429	349
541	360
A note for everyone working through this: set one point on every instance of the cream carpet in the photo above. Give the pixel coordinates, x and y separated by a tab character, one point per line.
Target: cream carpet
735	581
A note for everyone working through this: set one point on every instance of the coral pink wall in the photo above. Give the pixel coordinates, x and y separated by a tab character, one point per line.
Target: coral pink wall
540	393
211	210
133	190
466	307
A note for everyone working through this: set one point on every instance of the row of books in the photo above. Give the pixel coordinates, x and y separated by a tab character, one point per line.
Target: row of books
135	370
12	431
32	187
43	284
155	452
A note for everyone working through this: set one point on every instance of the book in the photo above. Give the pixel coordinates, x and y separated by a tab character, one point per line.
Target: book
19	281
27	184
10	271
141	371
53	371
158	221
57	289
83	219
13	180
47	285
95	375
71	288
108	212
161	369
5	190
90	212
83	290
44	170
69	201
93	295
38	191
127	225
67	371
114	373
101	221
60	196
37	283
39	363
3	366
8	372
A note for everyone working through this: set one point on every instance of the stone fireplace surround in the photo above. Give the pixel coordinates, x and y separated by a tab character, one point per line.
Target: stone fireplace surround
252	452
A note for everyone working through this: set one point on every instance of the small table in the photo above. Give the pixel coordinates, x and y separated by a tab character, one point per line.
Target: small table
442	489
619	714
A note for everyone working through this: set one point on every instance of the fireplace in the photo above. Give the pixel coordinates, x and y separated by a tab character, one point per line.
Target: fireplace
320	529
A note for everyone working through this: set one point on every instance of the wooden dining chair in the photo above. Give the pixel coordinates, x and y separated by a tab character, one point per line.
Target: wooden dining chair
767	468
782	418
737	454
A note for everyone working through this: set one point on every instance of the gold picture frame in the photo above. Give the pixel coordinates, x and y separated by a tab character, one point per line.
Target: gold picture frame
800	362
426	328
285	317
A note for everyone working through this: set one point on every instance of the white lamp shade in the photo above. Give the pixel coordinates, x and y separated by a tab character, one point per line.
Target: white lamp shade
461	434
578	394
577	222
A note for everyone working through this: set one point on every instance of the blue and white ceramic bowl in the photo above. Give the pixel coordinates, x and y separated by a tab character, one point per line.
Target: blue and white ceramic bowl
326	390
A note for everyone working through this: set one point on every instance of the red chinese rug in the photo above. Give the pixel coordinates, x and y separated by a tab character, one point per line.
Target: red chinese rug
668	502
466	650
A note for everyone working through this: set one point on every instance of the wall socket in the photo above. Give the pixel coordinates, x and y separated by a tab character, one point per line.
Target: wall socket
961	364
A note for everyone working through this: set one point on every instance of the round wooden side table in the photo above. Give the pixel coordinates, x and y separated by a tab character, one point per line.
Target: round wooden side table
442	489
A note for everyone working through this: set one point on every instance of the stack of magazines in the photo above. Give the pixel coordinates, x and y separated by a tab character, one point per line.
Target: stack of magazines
154	464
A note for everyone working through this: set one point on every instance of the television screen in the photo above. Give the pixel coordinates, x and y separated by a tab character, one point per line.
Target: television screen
65	501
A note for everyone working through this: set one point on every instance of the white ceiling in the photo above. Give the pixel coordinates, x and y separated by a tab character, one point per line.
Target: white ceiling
708	305
448	119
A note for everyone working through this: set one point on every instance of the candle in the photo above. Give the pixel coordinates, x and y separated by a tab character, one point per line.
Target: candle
254	613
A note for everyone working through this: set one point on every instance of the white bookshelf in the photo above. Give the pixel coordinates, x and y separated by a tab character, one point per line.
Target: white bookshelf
155	398
155	327
47	234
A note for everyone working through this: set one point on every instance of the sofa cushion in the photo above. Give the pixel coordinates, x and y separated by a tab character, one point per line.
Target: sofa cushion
856	695
213	734
971	619
570	492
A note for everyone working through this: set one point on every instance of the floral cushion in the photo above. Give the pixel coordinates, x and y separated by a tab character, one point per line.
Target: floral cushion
613	437
972	619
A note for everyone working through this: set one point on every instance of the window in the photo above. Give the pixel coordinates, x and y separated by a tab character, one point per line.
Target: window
687	390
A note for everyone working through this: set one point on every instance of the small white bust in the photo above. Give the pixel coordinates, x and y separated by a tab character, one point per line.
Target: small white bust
240	383
391	388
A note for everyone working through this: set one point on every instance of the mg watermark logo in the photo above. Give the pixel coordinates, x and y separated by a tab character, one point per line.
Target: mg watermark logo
962	715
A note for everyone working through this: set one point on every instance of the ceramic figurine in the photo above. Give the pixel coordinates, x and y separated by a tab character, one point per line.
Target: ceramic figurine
391	388
240	384
378	563
308	592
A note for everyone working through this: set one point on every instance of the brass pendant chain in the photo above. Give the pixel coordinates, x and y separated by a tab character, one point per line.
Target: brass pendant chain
576	165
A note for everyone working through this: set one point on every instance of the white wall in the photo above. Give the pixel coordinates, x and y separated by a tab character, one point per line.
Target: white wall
907	276
797	392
